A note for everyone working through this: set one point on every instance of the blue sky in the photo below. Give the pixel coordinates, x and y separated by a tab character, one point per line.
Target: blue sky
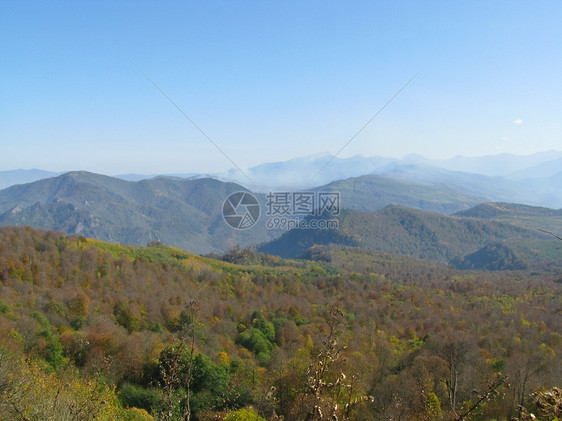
270	81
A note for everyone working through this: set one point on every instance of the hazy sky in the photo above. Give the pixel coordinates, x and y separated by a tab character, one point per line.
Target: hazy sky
269	81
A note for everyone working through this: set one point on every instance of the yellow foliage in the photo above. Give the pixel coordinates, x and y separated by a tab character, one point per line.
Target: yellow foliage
224	358
27	392
138	414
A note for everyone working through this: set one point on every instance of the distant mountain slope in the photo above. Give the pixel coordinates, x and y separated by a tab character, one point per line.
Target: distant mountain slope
511	211
531	179
532	191
373	192
309	171
514	255
540	170
533	217
139	177
425	235
185	213
13	177
180	212
498	165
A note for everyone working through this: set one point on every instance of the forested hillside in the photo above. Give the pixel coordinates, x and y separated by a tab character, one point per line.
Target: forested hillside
374	192
91	328
534	217
185	213
454	239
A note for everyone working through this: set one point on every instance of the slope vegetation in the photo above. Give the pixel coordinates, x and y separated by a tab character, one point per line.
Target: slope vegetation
374	192
430	236
183	212
90	329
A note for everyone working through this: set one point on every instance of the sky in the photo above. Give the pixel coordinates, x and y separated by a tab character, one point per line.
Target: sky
111	86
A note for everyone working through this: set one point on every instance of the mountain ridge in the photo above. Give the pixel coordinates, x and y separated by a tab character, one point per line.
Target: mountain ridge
137	212
187	213
431	236
181	212
531	179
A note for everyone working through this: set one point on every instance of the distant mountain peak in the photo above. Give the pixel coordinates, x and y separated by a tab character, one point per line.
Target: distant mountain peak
321	155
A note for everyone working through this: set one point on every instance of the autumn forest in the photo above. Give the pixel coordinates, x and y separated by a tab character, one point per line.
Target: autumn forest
93	329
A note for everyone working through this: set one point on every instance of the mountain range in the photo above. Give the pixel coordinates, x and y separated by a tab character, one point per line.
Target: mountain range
410	207
533	179
185	213
529	179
